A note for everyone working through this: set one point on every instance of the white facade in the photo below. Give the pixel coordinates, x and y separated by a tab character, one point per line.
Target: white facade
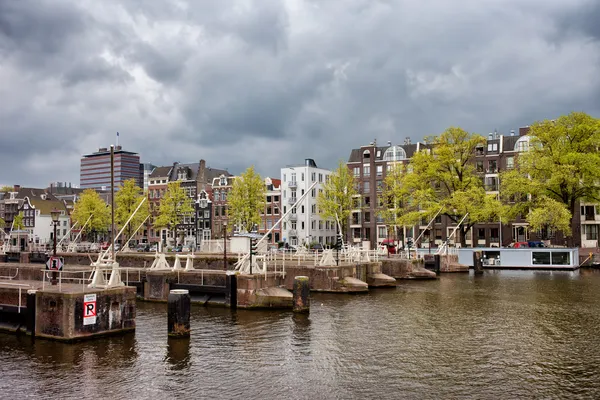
304	225
39	224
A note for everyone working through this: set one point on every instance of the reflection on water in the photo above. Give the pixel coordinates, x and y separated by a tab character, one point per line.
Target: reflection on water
506	334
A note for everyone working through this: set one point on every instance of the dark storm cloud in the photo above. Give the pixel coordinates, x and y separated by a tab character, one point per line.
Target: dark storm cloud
271	82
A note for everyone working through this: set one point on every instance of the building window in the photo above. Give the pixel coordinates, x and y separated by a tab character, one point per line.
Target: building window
313	224
366	171
480	233
302	177
313	176
313	209
367	187
367	217
510	162
394	153
367	154
356	172
314	193
479	166
380	170
591	232
320	177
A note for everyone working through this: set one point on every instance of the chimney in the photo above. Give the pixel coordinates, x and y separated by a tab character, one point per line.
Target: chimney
389	143
16	188
512	132
523	131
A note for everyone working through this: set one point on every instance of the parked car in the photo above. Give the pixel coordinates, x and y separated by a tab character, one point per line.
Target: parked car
143	247
519	245
536	244
178	249
104	245
317	247
188	248
154	247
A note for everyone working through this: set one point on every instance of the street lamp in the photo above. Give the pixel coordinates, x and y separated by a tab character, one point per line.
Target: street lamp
55	214
225	246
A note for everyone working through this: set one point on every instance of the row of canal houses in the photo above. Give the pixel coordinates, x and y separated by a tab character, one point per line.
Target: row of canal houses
209	190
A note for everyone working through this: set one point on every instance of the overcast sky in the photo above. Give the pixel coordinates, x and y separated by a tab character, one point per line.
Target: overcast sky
271	82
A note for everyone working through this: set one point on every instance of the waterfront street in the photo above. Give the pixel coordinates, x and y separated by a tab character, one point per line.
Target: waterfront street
508	334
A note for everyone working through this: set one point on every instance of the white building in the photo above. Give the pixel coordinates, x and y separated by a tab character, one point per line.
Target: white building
304	225
37	219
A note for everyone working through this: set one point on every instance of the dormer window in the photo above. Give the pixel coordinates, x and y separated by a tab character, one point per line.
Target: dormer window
394	153
181	175
223	181
367	154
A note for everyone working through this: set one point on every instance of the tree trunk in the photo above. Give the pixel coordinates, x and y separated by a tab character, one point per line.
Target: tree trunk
463	236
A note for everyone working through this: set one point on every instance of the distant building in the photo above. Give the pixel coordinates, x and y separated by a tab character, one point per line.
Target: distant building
304	225
203	206
194	178
144	178
95	169
272	212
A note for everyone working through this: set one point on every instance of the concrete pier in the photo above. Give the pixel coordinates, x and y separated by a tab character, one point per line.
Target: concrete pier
406	269
66	312
178	319
301	294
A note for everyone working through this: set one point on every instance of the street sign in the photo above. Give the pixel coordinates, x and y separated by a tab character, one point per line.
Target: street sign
89	309
55	263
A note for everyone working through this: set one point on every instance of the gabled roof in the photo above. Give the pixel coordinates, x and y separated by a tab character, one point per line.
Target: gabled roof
356	155
193	168
212	173
161	171
45	206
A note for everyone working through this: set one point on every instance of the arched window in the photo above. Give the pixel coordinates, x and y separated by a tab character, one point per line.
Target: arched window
522	144
394	153
366	154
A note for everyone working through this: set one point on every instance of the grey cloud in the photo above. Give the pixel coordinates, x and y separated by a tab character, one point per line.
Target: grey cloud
272	82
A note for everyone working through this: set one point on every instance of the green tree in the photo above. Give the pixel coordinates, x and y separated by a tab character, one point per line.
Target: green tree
6	189
560	168
174	206
336	199
2	223
127	199
247	200
18	222
443	178
90	203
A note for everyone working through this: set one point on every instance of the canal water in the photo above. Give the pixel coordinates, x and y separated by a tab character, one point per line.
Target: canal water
508	334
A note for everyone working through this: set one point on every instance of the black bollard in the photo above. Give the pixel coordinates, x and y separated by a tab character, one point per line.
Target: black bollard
31	312
477	263
231	289
179	313
437	263
301	294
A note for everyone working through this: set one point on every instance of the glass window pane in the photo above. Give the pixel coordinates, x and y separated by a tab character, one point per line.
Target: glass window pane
561	258
541	258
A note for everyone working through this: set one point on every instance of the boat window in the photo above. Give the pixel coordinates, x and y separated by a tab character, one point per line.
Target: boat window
561	258
541	257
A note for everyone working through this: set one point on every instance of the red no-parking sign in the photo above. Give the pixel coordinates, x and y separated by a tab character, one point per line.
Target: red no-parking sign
89	309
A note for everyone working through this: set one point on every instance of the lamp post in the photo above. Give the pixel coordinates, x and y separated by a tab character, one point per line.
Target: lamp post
225	246
55	214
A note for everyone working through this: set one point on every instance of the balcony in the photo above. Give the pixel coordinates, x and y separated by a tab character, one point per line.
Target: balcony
590	217
292	200
293	184
491	170
293	217
293	233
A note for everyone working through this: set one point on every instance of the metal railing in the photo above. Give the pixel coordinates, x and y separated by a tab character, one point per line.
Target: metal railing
20	286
